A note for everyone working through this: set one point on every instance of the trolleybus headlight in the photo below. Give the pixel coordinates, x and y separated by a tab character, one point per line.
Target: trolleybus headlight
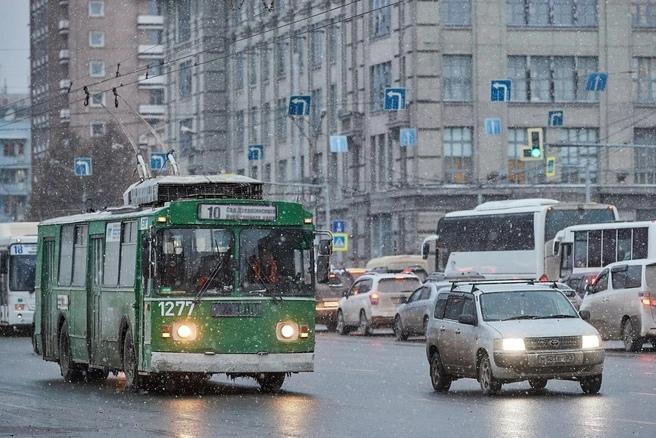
287	331
184	332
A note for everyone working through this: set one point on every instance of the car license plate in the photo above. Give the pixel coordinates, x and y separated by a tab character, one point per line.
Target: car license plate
236	309
555	359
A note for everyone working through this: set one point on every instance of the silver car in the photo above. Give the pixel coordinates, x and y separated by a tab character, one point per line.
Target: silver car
500	332
412	317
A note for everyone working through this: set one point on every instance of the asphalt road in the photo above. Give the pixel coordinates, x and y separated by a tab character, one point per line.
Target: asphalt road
371	386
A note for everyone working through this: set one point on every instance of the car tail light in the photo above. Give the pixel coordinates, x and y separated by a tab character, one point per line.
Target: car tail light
543	278
374	299
19	307
647	300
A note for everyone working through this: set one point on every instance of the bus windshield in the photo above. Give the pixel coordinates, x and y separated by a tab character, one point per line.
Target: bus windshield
557	219
21	272
190	259
276	261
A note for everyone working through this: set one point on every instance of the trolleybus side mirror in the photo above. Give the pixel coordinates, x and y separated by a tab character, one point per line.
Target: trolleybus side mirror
325	247
425	250
323	268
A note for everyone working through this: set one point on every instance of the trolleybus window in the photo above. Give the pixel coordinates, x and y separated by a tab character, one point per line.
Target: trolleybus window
128	253
66	255
80	255
21	272
189	258
276	261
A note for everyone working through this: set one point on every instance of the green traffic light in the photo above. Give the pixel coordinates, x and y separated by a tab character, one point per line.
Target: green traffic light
535	152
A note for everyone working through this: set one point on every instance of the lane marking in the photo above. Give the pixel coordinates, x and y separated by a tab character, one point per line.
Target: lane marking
643	393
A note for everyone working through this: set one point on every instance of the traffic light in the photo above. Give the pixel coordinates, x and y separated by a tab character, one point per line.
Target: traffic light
536	142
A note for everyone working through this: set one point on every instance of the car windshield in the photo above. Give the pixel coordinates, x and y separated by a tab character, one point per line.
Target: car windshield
392	285
277	262
542	304
190	259
21	272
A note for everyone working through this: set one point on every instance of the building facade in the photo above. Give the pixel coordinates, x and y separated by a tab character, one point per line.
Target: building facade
446	54
15	158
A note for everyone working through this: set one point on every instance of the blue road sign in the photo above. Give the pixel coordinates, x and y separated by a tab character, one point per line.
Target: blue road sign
556	118
339	226
157	161
299	105
82	166
500	90
408	136
493	126
394	99
255	152
338	143
596	81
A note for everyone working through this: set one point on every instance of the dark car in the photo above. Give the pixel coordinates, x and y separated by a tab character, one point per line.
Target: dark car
579	281
329	294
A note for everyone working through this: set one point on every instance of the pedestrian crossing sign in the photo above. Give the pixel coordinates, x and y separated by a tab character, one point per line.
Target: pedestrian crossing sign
340	242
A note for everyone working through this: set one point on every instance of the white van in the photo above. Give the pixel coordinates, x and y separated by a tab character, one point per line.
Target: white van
622	302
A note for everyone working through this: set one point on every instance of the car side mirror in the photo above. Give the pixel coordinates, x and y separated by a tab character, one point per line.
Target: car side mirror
589	289
585	315
467	319
425	250
345	293
403	300
325	247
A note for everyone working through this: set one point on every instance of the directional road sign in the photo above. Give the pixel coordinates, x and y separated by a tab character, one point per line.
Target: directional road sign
408	136
556	118
82	166
500	90
339	226
340	242
596	81
550	167
493	126
157	161
338	143
255	152
394	99
299	105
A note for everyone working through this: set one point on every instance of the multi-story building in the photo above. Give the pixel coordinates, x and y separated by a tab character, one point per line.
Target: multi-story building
99	44
15	158
445	53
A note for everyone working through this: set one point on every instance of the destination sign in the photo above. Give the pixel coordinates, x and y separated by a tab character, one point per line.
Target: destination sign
22	249
237	212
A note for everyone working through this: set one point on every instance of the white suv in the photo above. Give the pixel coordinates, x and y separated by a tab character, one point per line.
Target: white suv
502	332
622	302
372	300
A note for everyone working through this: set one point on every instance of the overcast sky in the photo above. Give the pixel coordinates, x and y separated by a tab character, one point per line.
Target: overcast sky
14	45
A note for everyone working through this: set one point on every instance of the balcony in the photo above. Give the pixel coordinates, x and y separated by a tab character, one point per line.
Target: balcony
150	22
64	26
65	115
147	51
64	56
152	82
64	84
152	111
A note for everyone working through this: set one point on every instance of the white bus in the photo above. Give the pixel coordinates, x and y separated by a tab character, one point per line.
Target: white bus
588	248
17	269
508	238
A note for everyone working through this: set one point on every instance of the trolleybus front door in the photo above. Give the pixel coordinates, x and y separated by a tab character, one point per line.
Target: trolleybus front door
48	301
93	300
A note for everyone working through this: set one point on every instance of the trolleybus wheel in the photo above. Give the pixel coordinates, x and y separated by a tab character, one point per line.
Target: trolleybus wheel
70	371
132	378
271	382
97	375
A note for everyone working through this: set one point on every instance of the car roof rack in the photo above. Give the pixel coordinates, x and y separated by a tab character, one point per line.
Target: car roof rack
475	283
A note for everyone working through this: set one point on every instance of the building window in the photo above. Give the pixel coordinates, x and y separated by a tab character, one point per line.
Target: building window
456	12
458	155
317	108
645	158
267	173
239	128
156	96
282	171
282	56
644	79
380	77
332	43
298	45
521	172
281	120
266	62
97	129
252	67
96	69
557	13
96	39
266	116
317	48
576	163
154	37
184	20
97	99
644	13
253	125
332	108
457	74
96	8
184	79
184	133
239	71
550	78
381	235
379	19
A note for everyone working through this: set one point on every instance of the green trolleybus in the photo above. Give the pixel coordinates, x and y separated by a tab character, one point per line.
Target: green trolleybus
192	276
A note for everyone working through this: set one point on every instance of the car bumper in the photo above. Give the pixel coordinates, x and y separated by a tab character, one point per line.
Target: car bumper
381	321
325	314
232	363
551	364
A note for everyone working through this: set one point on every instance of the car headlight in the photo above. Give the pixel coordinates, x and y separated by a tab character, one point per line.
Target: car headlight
185	331
287	331
590	341
513	344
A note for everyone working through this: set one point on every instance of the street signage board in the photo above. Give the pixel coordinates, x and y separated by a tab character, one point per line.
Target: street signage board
408	136
556	118
299	105
596	81
500	90
255	152
338	226
83	166
157	161
550	167
340	242
394	99
493	126
338	143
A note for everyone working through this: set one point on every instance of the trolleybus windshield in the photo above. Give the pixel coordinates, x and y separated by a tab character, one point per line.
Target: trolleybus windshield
22	264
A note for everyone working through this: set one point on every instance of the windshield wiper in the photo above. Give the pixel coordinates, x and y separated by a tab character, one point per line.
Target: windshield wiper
557	316
209	280
522	317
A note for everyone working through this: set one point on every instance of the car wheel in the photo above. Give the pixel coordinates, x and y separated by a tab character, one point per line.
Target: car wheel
489	384
440	380
363	327
341	325
591	384
132	379
96	375
537	383
653	343
632	342
70	371
425	326
331	325
398	329
271	382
